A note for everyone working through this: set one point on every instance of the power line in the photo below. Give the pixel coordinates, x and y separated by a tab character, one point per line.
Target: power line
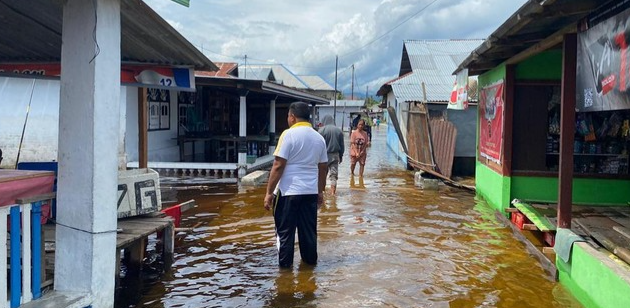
203	50
391	30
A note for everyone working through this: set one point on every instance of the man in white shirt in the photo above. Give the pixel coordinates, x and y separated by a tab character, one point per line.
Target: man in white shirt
296	186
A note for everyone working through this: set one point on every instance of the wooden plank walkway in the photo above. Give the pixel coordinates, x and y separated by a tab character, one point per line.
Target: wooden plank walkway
131	237
605	226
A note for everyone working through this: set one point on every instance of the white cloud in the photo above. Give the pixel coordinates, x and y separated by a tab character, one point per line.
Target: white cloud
306	35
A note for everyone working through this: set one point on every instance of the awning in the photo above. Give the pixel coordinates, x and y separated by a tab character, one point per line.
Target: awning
146	37
536	26
263	87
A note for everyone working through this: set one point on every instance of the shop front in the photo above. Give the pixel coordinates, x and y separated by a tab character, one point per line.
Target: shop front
553	136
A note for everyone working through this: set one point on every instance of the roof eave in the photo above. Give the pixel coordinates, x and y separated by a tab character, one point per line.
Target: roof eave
280	89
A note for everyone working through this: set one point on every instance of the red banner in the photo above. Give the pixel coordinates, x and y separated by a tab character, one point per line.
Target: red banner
491	105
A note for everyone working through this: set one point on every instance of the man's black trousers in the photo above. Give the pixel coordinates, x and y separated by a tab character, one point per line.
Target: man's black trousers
291	212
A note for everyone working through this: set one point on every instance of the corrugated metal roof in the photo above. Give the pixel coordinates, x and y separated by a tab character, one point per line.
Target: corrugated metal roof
283	75
256	73
431	62
315	82
409	88
347	103
30	31
283	93
441	56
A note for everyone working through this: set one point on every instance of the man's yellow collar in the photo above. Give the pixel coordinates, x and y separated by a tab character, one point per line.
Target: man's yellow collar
298	124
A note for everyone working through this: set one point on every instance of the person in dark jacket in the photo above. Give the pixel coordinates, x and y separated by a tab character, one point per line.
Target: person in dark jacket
334	147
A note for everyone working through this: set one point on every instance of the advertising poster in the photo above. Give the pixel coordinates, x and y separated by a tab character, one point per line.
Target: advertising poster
491	106
603	62
459	96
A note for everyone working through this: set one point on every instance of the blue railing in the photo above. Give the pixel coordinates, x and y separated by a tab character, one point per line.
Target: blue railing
22	229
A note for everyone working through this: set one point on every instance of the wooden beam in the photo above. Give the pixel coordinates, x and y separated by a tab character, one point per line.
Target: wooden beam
135	254
43	197
143	126
567	130
543	45
168	242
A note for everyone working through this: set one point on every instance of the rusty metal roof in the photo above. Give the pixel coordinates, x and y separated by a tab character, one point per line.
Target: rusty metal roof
538	24
226	69
30	31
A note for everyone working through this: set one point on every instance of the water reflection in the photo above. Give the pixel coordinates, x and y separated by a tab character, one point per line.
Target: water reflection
353	184
382	243
294	286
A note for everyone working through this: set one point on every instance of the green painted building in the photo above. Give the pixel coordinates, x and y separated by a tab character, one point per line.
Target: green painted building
528	69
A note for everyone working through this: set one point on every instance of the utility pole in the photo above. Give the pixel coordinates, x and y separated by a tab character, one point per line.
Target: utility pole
335	105
352	84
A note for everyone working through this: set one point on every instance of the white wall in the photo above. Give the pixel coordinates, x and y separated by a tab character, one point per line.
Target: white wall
162	144
343	117
41	135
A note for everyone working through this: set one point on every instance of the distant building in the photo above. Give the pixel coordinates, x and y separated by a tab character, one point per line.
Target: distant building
318	86
280	74
226	70
341	111
432	62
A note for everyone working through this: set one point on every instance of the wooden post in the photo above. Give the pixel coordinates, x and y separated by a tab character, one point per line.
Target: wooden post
169	245
143	126
272	125
117	277
135	254
567	130
508	121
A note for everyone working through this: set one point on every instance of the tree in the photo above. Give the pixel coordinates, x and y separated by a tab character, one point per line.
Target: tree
370	102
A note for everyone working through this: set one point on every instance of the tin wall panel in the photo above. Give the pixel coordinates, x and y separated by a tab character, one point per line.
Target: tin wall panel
418	138
443	136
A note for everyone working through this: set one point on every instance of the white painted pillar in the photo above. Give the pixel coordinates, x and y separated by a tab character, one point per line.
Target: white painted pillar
89	119
313	116
272	126
242	133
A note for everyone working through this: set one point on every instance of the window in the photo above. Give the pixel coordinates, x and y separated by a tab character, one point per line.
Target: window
159	101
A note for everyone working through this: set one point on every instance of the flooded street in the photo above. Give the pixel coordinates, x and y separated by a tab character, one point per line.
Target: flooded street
382	243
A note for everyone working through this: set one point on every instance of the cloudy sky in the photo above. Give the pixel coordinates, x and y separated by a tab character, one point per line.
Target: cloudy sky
306	35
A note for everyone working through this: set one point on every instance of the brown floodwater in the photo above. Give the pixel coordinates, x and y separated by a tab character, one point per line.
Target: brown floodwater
382	243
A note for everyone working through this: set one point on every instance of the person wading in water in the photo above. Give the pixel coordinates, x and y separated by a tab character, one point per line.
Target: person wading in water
359	142
335	148
296	186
